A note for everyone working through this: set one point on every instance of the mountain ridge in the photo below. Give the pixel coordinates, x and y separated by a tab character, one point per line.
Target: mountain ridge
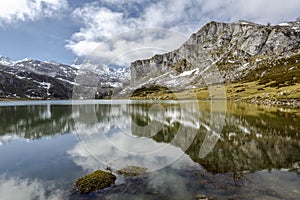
215	39
229	54
34	79
221	53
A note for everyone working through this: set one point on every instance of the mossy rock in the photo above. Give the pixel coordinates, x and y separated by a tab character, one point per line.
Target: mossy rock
132	171
95	181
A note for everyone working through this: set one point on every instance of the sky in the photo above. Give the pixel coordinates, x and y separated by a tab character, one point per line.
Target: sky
62	30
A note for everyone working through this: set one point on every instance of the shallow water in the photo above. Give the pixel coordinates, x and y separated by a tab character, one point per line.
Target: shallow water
218	149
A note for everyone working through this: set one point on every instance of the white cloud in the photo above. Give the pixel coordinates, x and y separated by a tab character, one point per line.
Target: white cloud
256	10
21	10
136	44
114	35
108	19
16	188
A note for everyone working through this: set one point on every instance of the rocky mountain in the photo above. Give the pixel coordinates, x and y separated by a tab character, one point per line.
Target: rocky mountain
99	80
223	53
219	53
33	79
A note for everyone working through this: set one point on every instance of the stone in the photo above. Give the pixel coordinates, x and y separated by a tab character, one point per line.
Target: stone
202	197
132	171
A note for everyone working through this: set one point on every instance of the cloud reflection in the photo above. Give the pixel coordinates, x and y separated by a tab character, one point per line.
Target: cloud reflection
16	188
121	135
107	151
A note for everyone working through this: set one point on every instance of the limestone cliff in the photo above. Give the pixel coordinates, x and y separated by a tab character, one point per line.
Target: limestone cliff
218	53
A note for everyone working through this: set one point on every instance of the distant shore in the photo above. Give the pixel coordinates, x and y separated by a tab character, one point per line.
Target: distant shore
251	92
288	97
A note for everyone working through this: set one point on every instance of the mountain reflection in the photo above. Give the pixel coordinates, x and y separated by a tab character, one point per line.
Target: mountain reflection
249	138
245	138
35	121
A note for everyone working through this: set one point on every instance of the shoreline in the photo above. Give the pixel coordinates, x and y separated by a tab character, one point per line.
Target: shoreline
286	103
281	103
250	92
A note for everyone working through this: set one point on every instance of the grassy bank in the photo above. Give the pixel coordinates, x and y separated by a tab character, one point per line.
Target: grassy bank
253	92
275	82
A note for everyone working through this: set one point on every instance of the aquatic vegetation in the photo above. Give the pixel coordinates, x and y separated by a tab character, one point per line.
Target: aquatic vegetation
95	181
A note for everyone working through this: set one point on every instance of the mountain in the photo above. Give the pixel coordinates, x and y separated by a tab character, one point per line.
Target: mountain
224	53
33	79
98	80
247	58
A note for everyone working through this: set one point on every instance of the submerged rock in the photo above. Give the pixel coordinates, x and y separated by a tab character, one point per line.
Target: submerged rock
132	171
95	181
202	197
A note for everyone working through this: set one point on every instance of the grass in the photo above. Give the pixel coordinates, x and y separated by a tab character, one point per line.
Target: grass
233	91
276	73
274	79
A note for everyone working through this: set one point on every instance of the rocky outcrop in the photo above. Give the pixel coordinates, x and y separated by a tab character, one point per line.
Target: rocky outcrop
218	52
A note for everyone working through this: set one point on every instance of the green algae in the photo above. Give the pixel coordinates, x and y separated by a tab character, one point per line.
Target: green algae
95	181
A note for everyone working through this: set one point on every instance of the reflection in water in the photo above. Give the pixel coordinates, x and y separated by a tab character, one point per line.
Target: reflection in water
17	188
35	121
249	140
244	153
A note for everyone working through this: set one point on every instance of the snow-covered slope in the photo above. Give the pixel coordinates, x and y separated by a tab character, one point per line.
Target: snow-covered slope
96	80
36	79
5	61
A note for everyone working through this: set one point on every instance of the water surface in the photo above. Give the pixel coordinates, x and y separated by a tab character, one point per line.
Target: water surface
218	149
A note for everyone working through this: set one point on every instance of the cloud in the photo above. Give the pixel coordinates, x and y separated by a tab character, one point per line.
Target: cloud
22	10
16	188
258	11
115	34
105	20
136	44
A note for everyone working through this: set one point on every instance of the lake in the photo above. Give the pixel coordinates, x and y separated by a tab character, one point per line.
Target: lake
220	149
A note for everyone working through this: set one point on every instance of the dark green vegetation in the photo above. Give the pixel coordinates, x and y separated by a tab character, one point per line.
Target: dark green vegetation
95	181
150	89
279	73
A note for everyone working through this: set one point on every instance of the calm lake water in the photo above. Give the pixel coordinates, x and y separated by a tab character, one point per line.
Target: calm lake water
218	149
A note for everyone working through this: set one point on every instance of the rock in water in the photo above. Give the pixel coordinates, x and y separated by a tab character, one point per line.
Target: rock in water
95	181
132	171
202	197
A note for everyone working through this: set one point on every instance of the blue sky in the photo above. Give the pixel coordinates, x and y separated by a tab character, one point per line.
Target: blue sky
61	30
